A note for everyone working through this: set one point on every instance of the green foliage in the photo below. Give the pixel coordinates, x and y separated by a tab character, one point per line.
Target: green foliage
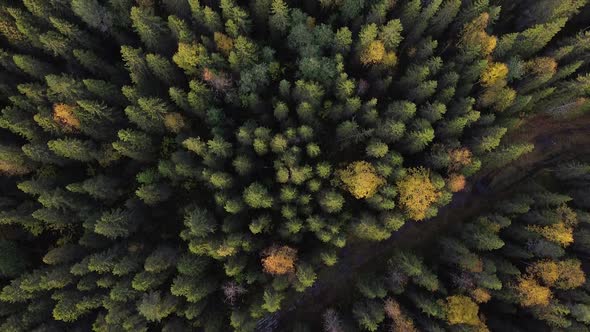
157	154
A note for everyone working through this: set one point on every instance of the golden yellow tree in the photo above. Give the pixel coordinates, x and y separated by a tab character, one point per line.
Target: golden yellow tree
558	233
279	260
495	74
373	53
531	293
546	270
475	36
461	310
417	192
481	295
571	274
360	179
567	216
64	115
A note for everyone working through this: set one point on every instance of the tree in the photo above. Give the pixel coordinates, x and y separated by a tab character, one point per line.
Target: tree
160	259
155	307
373	53
134	144
279	17
456	182
75	149
65	116
475	38
272	300
279	260
401	322
13	161
93	14
32	66
461	310
535	38
331	321
417	193
530	293
116	223
257	196
150	28
369	314
331	201
360	179
305	277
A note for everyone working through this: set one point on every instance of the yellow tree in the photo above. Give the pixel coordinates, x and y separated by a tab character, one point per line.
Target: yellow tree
279	260
495	74
174	121
571	274
64	115
567	215
558	233
360	179
531	293
480	295
474	35
546	270
417	192
373	53
461	310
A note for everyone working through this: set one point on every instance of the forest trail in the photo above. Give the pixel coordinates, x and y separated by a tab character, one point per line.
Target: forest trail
555	140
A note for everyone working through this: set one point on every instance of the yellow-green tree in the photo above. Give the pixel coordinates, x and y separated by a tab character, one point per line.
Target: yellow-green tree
417	192
360	178
461	310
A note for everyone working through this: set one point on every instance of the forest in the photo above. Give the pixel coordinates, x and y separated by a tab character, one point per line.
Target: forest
294	165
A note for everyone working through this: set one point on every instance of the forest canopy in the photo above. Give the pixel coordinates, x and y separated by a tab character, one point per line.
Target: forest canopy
208	165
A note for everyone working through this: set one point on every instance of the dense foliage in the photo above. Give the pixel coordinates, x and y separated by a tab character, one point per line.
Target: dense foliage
517	267
182	164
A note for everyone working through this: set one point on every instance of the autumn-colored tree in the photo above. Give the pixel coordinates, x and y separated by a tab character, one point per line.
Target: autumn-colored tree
571	274
546	270
495	74
456	182
417	192
567	216
401	322
64	115
459	158
174	121
531	293
567	274
279	260
558	233
223	42
542	66
13	161
361	179
480	295
373	53
461	310
474	35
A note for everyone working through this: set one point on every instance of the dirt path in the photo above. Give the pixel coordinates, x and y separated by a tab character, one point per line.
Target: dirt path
554	141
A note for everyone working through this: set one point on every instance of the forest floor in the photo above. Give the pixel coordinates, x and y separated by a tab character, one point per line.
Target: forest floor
555	141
